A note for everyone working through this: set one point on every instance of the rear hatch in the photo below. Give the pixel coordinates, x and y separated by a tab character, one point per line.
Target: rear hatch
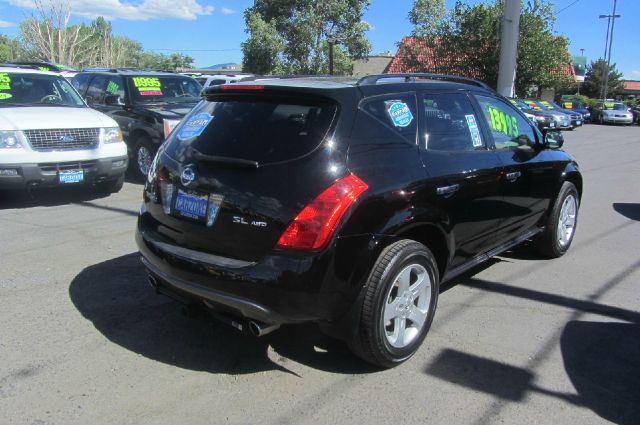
239	168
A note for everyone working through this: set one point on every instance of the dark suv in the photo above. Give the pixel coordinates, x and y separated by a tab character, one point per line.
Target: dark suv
347	203
146	105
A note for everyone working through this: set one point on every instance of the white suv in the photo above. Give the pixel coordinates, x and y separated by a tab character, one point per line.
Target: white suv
50	137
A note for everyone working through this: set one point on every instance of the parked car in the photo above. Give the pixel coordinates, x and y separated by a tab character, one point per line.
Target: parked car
636	114
563	119
146	104
50	137
576	117
544	120
217	79
348	203
611	112
576	106
66	71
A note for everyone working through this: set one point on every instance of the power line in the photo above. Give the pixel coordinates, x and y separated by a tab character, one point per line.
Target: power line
566	7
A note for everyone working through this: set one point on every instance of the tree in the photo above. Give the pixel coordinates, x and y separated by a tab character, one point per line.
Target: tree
426	17
467	42
9	49
592	85
293	36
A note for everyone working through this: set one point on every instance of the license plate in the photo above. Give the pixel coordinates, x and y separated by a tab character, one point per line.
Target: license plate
191	204
552	124
578	122
71	176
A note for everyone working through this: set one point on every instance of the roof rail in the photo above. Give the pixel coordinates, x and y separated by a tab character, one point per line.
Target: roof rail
409	77
98	70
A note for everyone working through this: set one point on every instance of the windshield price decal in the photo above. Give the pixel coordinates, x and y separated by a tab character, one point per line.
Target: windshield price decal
547	104
532	104
608	106
5	84
148	86
568	105
503	123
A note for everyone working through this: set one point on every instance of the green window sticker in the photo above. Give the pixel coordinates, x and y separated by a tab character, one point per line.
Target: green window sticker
503	123
113	87
5	84
43	68
148	86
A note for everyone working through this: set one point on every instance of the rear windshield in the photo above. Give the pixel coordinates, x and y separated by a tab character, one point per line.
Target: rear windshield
256	129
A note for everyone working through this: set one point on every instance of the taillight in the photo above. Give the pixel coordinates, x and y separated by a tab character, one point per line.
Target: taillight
313	227
241	87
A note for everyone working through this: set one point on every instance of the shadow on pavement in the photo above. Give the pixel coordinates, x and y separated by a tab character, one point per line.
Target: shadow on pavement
603	363
115	297
629	210
48	197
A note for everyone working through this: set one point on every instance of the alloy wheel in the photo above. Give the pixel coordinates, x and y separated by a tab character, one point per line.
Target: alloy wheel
567	220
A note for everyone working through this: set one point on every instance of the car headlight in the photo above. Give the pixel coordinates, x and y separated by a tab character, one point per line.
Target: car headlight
110	135
539	118
11	140
168	126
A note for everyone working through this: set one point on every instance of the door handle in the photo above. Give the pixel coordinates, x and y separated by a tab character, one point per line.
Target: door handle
513	176
448	190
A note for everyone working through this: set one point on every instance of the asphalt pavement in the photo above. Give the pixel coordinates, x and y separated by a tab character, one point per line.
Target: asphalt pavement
85	340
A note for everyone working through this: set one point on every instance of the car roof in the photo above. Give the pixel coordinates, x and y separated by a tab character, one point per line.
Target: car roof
134	72
21	70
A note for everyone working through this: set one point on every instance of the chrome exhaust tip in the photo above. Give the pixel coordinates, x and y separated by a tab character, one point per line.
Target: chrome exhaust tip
261	329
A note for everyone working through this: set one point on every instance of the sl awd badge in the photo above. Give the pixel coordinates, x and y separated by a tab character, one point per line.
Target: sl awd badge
242	220
187	177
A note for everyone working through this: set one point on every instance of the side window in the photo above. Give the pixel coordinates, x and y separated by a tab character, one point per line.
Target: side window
79	82
510	130
450	123
397	113
95	93
115	85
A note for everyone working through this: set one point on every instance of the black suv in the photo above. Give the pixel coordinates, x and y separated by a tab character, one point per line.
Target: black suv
348	203
146	105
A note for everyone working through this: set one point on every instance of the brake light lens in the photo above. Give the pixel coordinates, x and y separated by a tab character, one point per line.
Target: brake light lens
313	226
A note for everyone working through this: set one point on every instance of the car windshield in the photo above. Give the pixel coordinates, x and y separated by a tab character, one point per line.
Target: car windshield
549	105
535	105
520	104
164	89
30	89
615	106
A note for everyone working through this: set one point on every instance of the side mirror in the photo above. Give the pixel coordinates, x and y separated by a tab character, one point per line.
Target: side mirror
113	100
553	139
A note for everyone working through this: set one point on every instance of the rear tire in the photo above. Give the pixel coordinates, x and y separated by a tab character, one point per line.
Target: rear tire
400	300
561	225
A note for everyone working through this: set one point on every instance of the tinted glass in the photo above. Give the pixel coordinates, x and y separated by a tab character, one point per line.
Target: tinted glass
96	91
36	90
450	123
263	130
80	81
510	130
397	113
165	89
115	86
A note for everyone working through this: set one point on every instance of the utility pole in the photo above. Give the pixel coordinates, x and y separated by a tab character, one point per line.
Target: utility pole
510	33
581	52
331	42
607	49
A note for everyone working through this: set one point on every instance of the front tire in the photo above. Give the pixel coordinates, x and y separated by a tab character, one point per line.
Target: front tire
561	225
143	153
399	304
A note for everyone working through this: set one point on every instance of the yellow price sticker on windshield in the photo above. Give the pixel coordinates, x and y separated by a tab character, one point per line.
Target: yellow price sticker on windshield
568	105
503	123
148	86
608	105
5	81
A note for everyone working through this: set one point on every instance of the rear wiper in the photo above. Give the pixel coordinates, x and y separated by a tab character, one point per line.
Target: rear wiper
224	160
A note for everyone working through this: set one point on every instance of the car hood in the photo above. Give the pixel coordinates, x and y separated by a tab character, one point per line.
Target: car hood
47	117
170	111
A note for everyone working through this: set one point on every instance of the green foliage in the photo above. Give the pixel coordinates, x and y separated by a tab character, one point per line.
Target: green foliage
592	85
426	17
292	36
9	49
467	41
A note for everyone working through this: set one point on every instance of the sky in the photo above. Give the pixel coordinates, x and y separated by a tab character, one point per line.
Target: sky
211	30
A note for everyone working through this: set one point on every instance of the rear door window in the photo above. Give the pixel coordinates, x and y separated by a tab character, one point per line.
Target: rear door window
261	129
396	113
449	123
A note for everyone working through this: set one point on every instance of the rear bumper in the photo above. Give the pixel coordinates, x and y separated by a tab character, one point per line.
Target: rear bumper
280	288
19	176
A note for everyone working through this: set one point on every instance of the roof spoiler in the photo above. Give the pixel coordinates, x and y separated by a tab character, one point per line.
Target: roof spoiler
411	77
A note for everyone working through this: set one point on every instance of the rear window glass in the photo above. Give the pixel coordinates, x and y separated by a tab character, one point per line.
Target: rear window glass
257	129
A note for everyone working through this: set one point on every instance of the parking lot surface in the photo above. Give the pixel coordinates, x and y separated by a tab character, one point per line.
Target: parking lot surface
84	339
